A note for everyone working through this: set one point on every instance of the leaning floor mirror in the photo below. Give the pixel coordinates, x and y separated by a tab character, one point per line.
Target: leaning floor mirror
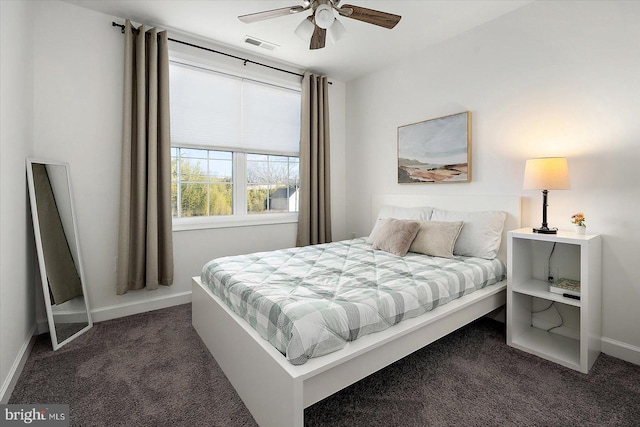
59	260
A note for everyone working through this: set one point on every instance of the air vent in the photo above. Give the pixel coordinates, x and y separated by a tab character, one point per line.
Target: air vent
260	43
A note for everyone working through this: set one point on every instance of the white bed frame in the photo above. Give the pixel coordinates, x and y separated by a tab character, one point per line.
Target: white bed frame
276	392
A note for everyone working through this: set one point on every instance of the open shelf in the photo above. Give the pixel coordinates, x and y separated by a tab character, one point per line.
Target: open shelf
558	349
540	289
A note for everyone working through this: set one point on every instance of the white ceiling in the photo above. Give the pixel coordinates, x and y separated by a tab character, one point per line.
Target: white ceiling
365	48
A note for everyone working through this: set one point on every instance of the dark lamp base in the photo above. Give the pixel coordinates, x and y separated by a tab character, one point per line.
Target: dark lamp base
545	230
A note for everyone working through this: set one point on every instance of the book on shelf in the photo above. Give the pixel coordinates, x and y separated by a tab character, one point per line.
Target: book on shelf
565	286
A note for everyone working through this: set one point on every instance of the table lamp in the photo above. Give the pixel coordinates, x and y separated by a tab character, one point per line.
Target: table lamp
547	173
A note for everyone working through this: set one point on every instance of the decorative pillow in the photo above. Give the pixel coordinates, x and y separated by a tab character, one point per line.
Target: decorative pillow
396	235
388	211
482	232
436	238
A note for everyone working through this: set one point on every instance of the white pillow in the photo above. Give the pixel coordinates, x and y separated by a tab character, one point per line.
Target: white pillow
481	234
388	211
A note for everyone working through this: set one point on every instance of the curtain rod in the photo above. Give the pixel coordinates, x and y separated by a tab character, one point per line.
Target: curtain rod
245	60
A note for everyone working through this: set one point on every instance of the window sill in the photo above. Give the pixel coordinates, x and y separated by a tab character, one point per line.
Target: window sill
231	221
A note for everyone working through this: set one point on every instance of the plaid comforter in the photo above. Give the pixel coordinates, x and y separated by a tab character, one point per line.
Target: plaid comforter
311	301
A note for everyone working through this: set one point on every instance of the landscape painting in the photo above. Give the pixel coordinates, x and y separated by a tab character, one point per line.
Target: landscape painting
436	150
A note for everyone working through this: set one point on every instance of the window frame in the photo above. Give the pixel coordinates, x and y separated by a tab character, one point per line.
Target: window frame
208	182
247	184
240	217
230	221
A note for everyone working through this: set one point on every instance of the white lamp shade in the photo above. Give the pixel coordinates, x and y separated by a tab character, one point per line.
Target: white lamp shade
324	16
305	29
547	173
336	31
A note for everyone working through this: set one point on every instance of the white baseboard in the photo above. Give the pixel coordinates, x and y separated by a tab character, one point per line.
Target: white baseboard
136	307
16	368
621	350
127	309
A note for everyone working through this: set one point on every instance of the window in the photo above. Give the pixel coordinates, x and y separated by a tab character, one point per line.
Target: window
201	182
235	145
272	183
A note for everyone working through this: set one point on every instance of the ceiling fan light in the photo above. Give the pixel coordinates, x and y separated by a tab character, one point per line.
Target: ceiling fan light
337	31
324	16
305	29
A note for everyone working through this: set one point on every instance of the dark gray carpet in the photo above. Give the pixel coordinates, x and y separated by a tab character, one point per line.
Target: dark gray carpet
152	370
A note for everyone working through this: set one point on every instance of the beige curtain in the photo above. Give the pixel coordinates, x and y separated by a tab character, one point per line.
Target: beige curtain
314	218
145	246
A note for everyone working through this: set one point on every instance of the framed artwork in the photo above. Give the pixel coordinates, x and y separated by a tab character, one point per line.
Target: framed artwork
435	150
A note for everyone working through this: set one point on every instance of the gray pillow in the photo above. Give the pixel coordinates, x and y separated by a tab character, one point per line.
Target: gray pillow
395	235
436	238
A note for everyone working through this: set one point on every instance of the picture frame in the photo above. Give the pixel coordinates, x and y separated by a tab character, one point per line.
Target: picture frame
435	150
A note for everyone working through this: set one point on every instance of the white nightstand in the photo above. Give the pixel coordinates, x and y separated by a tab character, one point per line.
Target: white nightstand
576	343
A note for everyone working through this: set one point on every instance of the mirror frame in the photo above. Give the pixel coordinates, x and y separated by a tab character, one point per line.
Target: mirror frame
40	253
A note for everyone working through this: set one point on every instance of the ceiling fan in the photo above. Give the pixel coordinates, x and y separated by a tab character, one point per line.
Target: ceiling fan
323	19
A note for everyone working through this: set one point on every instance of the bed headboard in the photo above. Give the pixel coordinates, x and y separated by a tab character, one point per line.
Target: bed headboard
508	204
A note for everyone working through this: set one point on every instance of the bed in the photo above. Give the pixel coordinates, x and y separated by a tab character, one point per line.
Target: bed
276	391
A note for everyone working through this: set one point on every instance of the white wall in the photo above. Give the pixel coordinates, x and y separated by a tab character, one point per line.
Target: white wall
78	70
551	79
17	289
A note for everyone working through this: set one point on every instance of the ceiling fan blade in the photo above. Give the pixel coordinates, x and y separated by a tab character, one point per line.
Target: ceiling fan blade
268	14
370	16
318	38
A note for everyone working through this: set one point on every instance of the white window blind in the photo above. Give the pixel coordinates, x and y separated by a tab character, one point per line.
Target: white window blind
218	110
271	118
205	107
